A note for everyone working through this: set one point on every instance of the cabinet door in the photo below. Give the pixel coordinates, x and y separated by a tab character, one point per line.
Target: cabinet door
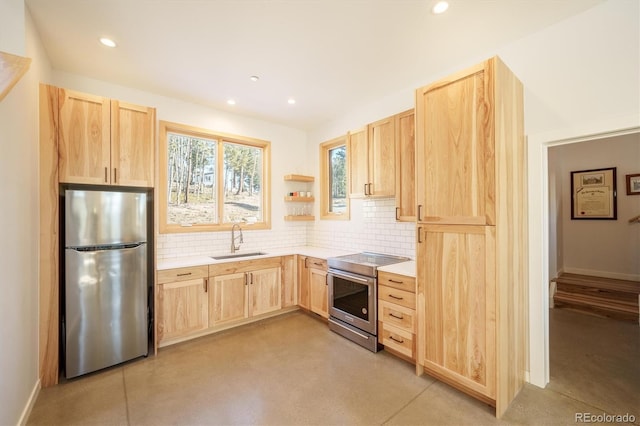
289	290
132	144
228	298
264	289
303	282
83	138
358	157
182	308
405	167
382	158
457	325
319	292
455	148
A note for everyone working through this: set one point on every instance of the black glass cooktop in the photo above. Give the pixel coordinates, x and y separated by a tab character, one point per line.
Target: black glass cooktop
364	263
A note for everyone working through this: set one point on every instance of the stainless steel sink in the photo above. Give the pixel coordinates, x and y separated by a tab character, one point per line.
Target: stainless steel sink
237	255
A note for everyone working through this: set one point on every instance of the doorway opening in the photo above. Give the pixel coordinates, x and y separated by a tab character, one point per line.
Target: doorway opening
593	333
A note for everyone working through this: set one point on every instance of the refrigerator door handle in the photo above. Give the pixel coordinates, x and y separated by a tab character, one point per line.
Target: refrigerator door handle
106	247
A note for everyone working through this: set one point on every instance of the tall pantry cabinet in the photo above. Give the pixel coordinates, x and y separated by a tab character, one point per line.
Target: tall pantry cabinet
471	213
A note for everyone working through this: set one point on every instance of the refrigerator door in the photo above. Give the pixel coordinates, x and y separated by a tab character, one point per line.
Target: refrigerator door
106	308
94	218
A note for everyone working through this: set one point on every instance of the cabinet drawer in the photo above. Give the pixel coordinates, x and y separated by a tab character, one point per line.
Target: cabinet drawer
315	263
397	315
401	282
397	339
182	274
398	297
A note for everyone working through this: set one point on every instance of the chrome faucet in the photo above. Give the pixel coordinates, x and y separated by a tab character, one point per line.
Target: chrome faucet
233	238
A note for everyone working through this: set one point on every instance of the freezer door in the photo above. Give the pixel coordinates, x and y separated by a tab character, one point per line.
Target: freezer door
105	308
94	218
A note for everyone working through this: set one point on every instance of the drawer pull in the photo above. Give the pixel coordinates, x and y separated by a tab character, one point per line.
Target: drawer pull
317	263
395	316
395	340
397	282
184	274
395	297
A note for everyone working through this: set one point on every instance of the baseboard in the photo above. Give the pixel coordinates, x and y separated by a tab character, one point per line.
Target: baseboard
30	403
603	274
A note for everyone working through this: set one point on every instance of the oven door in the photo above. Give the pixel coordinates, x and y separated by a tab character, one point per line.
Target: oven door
352	299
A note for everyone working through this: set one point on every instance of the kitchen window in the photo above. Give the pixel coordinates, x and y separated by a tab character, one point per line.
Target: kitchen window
334	175
210	180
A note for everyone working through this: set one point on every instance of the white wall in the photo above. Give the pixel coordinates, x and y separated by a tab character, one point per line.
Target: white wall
608	248
19	216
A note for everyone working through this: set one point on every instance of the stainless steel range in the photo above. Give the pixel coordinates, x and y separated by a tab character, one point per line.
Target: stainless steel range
353	295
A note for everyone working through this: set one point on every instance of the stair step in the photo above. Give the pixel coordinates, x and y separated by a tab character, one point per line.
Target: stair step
596	292
600	296
622	286
583	299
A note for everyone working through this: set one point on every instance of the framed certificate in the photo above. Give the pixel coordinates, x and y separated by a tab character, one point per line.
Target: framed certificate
593	194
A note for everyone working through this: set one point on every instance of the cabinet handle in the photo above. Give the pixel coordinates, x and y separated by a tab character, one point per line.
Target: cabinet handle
317	263
251	274
115	175
419	212
395	297
246	278
419	234
305	262
184	274
394	281
106	170
206	285
365	189
397	213
370	193
395	316
395	340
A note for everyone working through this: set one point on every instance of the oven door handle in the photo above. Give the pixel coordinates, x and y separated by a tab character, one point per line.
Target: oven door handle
350	277
364	336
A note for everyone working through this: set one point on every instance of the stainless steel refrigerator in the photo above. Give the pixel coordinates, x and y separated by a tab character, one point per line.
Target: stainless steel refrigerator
105	276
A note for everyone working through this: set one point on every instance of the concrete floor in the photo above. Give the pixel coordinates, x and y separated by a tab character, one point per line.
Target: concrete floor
291	370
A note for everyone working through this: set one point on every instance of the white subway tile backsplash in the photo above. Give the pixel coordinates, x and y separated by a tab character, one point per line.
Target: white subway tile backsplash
372	228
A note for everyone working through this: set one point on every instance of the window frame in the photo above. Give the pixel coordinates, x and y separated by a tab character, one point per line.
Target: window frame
325	198
220	139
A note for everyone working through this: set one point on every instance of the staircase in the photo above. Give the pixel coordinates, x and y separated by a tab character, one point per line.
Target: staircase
617	299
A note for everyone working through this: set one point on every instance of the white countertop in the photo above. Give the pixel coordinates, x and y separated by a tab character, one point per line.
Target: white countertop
404	268
182	262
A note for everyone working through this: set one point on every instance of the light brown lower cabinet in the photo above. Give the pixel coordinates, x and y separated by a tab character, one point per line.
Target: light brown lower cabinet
191	302
313	290
289	288
397	314
243	295
318	292
182	304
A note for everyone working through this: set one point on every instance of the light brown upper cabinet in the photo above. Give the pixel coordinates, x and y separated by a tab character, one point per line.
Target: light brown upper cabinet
372	160
405	166
471	254
104	142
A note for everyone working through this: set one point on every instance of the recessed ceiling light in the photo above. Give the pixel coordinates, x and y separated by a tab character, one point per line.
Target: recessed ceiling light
291	101
231	101
254	78
440	7
108	42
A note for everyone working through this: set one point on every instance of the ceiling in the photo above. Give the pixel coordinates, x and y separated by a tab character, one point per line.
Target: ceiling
330	55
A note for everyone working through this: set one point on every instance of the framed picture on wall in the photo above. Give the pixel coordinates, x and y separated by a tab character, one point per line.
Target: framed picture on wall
593	194
633	184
